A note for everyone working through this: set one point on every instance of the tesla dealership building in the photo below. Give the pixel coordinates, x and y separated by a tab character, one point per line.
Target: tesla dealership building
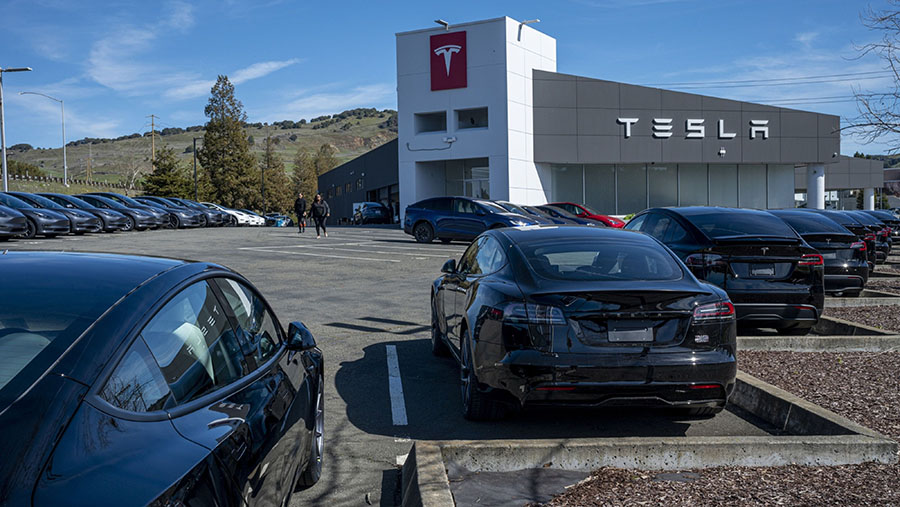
483	112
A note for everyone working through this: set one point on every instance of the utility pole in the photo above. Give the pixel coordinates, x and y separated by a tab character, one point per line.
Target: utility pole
90	159
268	147
3	126
196	198
152	141
62	106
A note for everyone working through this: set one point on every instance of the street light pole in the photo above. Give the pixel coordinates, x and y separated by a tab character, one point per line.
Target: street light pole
62	107
268	147
3	126
196	198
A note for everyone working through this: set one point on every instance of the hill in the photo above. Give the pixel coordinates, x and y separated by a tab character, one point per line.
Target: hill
351	133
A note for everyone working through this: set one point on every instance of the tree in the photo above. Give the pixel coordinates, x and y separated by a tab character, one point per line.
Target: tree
279	191
879	113
169	178
228	165
304	179
325	160
18	168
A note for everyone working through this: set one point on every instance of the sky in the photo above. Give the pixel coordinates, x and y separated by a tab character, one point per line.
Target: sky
115	63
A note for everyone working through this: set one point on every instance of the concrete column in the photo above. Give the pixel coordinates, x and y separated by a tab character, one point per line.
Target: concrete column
869	198
815	186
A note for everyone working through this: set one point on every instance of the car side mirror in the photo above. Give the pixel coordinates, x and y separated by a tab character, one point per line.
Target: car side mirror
449	267
300	337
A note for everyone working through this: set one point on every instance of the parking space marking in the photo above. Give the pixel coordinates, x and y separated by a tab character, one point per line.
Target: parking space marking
364	247
398	404
310	254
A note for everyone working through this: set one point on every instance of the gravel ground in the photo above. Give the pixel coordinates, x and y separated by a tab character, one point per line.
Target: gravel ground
881	316
860	386
888	284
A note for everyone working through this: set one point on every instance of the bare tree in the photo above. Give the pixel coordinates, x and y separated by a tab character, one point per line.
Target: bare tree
879	113
133	173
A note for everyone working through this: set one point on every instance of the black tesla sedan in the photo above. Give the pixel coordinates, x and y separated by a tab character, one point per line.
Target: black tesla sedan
881	231
863	233
12	223
846	263
110	220
775	279
179	216
581	316
135	380
214	217
48	223
80	221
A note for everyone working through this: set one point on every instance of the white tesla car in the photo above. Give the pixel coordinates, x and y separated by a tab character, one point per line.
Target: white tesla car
240	217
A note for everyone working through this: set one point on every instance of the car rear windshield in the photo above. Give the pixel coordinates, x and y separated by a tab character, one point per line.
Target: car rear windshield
812	223
717	224
601	259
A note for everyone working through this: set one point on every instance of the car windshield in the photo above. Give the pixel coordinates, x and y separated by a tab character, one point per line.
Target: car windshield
514	208
171	202
13	202
103	200
42	201
74	201
600	259
125	199
718	224
561	212
492	207
865	218
811	223
590	210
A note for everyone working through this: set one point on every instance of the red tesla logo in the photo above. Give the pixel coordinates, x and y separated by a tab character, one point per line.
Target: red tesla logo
448	61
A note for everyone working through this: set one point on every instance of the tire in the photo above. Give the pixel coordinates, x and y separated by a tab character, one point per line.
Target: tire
129	224
794	331
445	240
174	223
232	221
476	405
438	345
204	222
313	470
30	229
423	232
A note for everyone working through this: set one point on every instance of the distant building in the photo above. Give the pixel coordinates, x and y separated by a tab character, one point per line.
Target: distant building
371	177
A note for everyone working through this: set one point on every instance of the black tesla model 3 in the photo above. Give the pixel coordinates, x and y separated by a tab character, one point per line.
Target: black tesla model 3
775	279
581	316
135	380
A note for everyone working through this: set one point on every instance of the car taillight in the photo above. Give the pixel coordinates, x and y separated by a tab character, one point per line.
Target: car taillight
531	313
811	260
723	310
702	260
870	236
860	245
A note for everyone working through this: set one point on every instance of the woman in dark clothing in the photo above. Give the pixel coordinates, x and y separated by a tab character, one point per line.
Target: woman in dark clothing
319	211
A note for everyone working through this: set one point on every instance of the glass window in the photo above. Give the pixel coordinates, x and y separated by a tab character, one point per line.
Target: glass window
468	264
752	186
723	181
259	337
440	204
359	184
805	222
431	122
636	222
693	185
464	206
675	233
137	385
601	259
718	224
330	193
632	188
193	344
337	191
657	225
567	182
663	182
600	188
472	118
346	188
489	257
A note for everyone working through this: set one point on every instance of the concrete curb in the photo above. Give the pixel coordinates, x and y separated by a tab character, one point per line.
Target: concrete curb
833	326
823	438
819	343
868	298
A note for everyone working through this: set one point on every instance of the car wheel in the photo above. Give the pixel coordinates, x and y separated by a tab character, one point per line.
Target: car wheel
204	222
445	240
476	404
313	470
423	232
30	229
438	345
129	224
794	331
232	221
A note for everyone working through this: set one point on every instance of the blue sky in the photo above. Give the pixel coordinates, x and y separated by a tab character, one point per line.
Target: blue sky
114	63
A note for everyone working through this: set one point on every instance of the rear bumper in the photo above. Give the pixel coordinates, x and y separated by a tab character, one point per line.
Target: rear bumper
776	315
529	377
845	282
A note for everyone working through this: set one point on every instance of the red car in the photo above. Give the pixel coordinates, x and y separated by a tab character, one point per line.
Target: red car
585	212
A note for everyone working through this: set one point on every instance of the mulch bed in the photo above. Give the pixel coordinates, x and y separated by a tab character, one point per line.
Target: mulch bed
863	387
885	317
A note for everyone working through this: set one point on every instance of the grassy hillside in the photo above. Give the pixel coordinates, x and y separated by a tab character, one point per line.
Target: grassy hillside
48	186
112	159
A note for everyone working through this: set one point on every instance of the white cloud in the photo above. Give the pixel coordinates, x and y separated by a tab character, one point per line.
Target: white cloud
319	103
806	38
260	69
198	87
181	16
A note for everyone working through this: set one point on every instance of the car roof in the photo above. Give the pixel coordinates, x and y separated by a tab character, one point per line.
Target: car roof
570	233
688	211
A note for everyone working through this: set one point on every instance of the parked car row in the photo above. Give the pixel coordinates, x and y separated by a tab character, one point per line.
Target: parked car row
27	215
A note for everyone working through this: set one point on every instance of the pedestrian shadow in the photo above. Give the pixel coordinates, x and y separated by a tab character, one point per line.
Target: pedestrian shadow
431	395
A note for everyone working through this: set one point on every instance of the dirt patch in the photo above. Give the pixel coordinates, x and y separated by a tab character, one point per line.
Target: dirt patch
881	316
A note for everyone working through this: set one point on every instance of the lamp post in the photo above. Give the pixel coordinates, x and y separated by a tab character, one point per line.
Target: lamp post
3	125
268	147
196	198
62	106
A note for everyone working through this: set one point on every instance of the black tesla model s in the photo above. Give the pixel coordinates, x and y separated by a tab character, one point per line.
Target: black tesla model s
136	380
581	316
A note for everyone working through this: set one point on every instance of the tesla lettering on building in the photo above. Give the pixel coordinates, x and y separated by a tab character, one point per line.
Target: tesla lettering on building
448	61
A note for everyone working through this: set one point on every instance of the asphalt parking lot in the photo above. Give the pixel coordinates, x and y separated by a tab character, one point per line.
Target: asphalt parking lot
364	294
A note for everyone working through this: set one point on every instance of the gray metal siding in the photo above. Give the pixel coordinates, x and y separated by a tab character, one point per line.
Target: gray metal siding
380	168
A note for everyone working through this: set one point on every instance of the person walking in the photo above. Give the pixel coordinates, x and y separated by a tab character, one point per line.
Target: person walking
319	211
300	210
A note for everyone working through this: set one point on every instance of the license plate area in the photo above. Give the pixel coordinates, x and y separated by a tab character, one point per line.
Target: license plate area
829	255
766	269
629	332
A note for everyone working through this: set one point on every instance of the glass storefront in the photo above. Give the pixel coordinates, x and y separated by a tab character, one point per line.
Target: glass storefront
629	188
468	177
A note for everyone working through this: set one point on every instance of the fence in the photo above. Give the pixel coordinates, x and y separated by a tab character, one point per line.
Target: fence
54	179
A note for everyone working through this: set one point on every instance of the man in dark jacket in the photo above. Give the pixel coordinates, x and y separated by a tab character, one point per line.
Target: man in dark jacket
300	210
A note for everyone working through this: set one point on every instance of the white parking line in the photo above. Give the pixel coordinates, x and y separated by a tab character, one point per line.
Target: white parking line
398	404
266	250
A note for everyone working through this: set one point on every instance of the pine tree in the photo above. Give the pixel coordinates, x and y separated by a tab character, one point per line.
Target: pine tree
169	178
228	165
279	191
304	179
325	160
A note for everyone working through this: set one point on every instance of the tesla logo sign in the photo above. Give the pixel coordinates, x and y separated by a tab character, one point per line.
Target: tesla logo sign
694	128
448	61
